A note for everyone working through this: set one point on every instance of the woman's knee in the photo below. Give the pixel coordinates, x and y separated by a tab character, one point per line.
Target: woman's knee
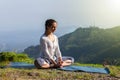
68	58
36	64
39	66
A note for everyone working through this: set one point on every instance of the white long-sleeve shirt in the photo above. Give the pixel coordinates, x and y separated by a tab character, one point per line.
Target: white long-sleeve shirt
49	49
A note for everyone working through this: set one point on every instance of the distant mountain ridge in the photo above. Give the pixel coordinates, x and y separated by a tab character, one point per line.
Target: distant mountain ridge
91	45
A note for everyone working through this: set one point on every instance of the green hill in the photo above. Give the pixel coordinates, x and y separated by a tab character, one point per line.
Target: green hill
33	51
91	45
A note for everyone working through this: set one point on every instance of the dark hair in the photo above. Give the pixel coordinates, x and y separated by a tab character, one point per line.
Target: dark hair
49	23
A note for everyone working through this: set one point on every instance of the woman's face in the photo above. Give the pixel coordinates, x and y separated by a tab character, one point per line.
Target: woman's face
53	27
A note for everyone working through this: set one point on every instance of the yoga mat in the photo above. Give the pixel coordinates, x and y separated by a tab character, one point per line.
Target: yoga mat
67	68
21	65
86	69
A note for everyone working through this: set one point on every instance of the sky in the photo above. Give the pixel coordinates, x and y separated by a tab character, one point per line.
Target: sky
22	21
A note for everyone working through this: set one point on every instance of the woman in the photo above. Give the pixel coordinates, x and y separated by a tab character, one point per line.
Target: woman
50	55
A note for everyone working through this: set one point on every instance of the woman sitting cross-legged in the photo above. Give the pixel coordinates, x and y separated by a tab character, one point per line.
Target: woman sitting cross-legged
50	54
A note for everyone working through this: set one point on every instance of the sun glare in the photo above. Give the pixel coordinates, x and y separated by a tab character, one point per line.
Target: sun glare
114	5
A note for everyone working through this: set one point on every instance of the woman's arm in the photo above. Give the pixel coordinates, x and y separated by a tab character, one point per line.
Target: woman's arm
58	53
57	50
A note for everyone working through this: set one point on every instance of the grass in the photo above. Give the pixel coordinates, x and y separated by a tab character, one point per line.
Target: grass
115	71
54	74
4	63
51	74
92	65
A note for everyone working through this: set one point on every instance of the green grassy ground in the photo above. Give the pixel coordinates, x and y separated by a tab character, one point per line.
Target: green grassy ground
54	74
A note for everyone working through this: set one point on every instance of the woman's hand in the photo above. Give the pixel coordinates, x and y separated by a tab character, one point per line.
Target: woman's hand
60	62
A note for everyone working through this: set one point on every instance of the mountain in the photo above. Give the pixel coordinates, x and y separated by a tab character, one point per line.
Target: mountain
33	51
91	45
